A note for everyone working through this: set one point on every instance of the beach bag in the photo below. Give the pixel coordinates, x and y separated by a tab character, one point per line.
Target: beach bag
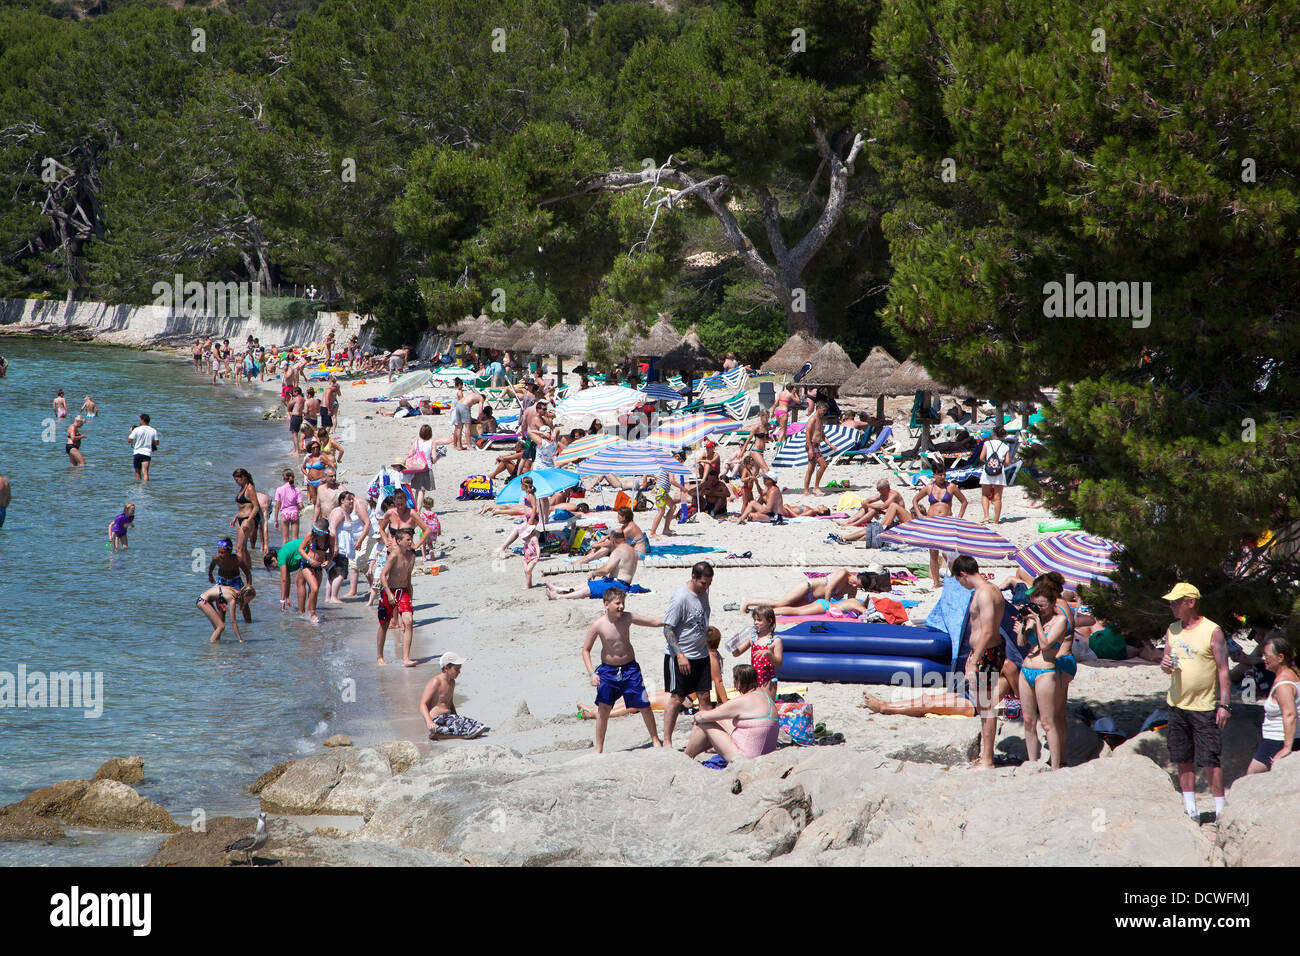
796	719
993	466
642	503
416	462
872	537
475	487
623	498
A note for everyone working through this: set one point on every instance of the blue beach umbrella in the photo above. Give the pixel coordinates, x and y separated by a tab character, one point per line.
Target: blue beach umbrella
546	481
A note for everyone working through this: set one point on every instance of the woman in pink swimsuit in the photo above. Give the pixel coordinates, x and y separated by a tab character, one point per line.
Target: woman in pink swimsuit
745	726
288	501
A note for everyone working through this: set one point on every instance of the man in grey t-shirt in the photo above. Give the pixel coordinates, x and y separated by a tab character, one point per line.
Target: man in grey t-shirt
686	660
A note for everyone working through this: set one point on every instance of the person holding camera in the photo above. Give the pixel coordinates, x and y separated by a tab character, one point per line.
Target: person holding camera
1043	628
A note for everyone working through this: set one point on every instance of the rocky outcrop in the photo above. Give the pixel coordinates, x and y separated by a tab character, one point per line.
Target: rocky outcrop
490	805
338	781
338	740
25	826
950	741
1114	812
99	804
128	770
1257	820
268	778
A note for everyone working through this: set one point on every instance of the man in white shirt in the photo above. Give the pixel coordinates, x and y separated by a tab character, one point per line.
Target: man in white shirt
144	441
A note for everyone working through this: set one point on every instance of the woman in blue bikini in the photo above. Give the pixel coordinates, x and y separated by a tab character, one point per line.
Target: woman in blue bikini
938	496
313	469
1044	629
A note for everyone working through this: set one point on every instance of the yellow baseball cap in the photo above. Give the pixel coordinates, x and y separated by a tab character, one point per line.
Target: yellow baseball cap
1182	590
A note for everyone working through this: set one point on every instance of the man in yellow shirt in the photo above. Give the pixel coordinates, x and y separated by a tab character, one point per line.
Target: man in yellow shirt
1196	657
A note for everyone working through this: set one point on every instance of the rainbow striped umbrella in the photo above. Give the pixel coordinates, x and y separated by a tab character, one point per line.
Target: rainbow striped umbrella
1079	558
686	430
951	534
633	458
585	448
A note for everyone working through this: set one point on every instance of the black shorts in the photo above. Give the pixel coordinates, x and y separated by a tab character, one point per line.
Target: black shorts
1268	749
138	460
339	566
530	451
295	424
699	681
1194	736
326	419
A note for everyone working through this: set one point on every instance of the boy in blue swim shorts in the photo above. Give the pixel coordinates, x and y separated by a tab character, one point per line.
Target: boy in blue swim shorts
618	675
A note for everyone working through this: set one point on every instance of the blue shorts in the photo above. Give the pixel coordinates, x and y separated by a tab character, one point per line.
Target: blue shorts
598	587
624	681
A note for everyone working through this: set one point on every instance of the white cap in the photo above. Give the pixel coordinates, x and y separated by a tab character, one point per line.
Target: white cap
450	658
770	476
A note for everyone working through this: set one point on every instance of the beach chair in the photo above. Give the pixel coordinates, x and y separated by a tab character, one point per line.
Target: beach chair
676	381
872	448
766	396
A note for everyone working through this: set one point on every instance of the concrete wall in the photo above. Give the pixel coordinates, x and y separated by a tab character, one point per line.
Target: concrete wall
143	325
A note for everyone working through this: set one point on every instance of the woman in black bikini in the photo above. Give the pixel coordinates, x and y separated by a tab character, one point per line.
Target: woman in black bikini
938	495
317	552
73	445
249	515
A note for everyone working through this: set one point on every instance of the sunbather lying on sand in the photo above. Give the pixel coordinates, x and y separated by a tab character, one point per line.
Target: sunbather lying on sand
836	585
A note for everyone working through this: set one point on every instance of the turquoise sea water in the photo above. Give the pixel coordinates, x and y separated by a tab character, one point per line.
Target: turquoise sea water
206	718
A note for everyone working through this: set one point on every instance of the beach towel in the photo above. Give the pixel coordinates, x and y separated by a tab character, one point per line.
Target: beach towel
677	550
891	609
475	487
951	615
455	725
849	501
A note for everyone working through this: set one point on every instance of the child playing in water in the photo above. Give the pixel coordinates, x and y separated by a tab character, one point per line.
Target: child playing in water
118	528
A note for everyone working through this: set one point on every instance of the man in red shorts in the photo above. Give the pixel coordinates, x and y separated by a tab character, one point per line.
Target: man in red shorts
395	605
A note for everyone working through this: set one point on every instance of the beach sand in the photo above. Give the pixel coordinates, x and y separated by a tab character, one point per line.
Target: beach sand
524	651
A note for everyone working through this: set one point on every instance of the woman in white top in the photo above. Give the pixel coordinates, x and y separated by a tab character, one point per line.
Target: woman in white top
1279	706
350	522
995	455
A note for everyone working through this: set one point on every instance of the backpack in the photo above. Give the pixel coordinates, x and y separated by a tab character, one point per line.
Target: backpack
993	465
475	487
872	537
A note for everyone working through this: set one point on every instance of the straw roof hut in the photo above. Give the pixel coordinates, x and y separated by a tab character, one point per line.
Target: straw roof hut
661	339
689	354
491	336
563	341
468	327
528	339
912	377
514	333
831	366
791	356
871	376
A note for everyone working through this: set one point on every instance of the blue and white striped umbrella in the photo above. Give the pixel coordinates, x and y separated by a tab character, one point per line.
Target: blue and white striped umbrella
633	458
600	400
793	452
658	392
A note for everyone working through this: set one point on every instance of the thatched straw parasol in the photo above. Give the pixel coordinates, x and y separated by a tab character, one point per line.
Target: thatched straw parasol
660	340
871	376
467	328
912	377
514	334
791	356
831	366
526	344
494	335
689	355
563	341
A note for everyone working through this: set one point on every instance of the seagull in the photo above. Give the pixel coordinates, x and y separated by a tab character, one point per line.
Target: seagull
247	845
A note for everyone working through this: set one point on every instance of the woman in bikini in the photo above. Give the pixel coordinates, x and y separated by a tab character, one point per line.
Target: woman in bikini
835	586
313	469
317	552
73	445
248	516
288	503
535	514
1045	630
228	587
745	726
938	495
784	402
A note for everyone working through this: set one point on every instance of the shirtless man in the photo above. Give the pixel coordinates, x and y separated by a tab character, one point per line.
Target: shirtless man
196	353
90	407
327	492
619	675
294	403
813	437
887	505
311	409
330	403
395	595
983	675
635	538
835	586
438	706
615	575
763	509
4	498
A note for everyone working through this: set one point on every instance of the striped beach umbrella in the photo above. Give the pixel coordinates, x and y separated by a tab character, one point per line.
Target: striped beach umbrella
685	430
1079	558
585	448
601	400
546	481
659	392
633	458
793	452
951	534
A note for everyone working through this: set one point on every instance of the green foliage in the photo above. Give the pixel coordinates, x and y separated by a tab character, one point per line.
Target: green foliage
746	322
276	309
1117	166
